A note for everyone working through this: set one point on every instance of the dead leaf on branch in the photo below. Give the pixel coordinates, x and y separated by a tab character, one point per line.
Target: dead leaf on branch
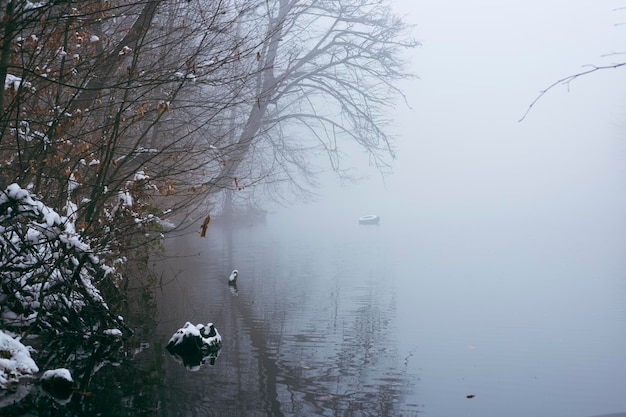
239	187
205	225
163	107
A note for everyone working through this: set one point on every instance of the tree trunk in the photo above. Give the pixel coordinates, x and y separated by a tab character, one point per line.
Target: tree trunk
267	86
7	35
107	68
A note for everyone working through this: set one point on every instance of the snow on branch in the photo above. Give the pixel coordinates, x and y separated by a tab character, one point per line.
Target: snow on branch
49	274
11	82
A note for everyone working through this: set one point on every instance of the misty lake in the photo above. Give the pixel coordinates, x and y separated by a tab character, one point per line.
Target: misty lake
434	312
430	314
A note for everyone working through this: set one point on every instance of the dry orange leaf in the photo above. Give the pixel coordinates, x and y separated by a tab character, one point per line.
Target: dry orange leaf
205	225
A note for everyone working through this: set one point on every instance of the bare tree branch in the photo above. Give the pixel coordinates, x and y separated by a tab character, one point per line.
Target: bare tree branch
566	81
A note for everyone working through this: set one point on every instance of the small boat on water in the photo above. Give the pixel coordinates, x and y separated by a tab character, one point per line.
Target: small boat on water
369	219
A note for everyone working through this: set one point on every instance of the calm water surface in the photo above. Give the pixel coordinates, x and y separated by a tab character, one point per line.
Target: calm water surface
526	313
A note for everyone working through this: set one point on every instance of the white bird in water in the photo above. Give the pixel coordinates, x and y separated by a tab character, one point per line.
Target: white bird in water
232	279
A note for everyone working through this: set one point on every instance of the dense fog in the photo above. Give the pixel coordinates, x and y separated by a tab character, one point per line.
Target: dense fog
461	146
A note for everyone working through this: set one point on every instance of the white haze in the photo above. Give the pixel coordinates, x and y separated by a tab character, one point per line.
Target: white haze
462	150
511	233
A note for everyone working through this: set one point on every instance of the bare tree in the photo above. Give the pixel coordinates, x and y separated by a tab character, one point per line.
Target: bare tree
121	114
325	76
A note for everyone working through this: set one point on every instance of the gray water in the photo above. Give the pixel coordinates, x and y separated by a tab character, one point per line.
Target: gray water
485	313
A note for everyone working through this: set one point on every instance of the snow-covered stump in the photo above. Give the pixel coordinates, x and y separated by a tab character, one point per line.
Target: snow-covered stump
194	345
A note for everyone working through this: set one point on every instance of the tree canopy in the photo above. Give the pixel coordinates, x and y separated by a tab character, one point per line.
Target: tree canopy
127	118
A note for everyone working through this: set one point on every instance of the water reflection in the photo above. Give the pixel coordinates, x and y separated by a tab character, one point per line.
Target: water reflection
375	321
311	332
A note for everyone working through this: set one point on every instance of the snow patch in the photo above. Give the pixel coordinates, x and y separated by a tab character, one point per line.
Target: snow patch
15	360
12	82
60	373
207	333
113	332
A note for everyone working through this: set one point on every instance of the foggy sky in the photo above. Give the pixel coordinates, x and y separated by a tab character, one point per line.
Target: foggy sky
510	233
480	65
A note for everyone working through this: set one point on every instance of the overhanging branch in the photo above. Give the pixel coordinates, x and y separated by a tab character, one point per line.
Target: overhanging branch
566	81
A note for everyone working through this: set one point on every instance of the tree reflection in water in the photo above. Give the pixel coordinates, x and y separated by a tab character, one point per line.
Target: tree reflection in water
310	332
302	337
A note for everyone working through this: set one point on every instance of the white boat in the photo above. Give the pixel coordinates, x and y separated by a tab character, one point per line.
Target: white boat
369	219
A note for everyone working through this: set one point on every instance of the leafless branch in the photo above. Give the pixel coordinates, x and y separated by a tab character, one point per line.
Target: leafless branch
567	81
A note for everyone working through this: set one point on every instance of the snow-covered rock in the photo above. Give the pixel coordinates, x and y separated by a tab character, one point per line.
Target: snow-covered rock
193	345
58	382
61	374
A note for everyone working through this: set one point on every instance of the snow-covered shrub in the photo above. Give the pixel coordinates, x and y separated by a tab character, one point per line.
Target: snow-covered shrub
15	360
48	273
